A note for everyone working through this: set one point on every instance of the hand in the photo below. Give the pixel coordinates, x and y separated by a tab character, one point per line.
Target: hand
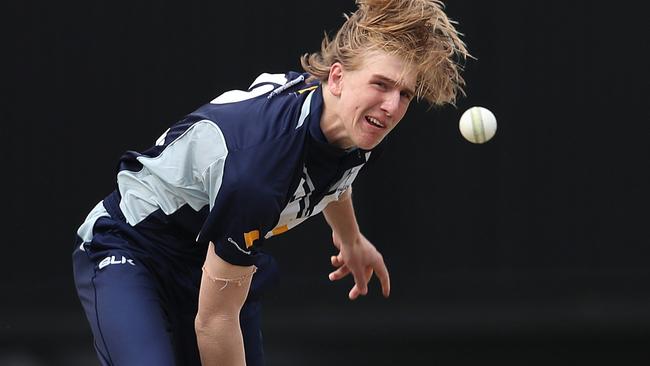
362	259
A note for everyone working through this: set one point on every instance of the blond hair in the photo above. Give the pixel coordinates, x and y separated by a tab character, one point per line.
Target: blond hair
417	31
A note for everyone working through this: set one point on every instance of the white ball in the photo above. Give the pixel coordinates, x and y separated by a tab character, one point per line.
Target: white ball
478	125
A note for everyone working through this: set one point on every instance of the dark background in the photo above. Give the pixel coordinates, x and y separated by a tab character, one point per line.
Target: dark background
530	249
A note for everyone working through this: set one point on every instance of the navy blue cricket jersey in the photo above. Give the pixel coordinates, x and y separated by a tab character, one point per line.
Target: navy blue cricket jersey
246	166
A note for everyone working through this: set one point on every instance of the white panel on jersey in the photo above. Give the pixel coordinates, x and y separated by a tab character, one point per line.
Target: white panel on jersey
85	231
279	79
234	96
188	171
290	213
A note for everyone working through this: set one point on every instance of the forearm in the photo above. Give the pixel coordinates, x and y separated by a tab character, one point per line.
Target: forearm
220	341
341	217
356	255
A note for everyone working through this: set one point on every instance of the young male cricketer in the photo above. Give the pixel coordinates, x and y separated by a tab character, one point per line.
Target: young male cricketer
163	265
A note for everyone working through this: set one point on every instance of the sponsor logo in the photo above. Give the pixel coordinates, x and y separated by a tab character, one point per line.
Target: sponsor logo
113	260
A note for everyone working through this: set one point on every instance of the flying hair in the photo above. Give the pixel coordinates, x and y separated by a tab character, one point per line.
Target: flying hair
417	31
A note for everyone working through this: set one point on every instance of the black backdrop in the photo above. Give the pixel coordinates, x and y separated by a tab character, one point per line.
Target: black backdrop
529	249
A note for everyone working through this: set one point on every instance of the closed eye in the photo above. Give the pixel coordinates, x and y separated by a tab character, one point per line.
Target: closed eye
406	95
381	85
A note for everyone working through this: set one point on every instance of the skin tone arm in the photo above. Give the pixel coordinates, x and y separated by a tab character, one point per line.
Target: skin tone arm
224	288
356	254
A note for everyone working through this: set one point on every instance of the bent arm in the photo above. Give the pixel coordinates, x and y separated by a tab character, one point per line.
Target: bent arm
357	254
224	288
341	218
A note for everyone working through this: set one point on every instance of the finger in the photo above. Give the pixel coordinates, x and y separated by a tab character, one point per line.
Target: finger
361	282
337	261
339	273
384	278
354	293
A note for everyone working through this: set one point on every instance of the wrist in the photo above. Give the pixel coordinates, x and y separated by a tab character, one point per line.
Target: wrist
351	239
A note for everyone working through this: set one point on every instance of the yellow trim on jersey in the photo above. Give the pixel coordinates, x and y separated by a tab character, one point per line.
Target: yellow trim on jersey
250	237
307	89
280	229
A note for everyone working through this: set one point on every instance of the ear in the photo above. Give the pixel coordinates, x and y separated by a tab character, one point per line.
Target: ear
335	79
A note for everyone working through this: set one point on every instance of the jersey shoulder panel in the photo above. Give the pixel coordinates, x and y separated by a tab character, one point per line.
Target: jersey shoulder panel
251	118
263	84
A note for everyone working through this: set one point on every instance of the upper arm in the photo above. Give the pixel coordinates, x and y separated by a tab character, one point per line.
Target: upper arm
224	287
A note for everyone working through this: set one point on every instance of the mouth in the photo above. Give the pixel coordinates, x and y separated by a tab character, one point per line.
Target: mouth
374	122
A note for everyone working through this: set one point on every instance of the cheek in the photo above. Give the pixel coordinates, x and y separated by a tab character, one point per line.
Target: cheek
359	101
399	116
405	108
355	107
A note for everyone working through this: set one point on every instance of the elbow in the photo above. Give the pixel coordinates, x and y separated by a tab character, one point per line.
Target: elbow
201	325
209	326
346	195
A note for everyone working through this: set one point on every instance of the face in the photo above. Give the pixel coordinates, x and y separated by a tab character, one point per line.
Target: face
371	102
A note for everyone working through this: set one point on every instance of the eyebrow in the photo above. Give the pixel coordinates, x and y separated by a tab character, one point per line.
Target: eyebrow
393	82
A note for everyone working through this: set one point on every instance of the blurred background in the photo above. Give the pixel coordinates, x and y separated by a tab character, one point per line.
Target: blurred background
531	249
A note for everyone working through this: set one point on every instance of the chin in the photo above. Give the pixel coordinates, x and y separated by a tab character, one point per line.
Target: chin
368	145
368	140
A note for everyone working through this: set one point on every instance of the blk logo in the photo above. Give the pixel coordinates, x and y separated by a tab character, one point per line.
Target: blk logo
113	260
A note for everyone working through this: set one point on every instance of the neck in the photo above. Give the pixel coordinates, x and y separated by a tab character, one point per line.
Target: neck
331	123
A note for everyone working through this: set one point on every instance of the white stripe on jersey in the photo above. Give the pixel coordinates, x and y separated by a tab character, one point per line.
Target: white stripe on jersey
304	111
188	171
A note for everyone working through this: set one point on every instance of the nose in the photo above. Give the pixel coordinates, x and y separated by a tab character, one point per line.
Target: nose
390	105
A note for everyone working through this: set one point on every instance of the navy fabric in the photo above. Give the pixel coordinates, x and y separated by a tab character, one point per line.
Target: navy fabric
138	278
141	304
268	148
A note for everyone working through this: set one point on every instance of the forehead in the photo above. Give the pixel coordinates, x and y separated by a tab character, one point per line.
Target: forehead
389	66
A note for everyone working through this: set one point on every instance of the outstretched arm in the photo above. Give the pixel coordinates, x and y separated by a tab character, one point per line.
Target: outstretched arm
224	288
357	254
